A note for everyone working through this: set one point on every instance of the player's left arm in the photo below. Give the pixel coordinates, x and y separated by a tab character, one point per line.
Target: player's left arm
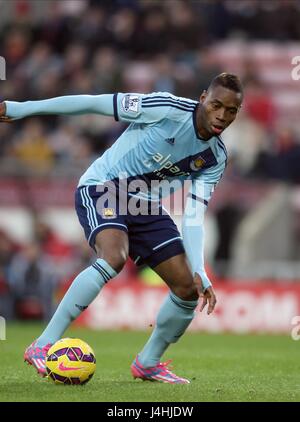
200	192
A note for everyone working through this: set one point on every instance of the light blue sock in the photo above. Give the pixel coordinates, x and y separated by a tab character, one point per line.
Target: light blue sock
82	292
174	316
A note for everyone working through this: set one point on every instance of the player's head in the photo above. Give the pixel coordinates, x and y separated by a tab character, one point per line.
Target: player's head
220	104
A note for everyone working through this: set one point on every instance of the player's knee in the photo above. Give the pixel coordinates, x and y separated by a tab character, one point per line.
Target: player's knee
187	291
116	259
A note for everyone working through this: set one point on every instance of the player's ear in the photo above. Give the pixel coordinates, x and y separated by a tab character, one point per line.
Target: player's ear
239	109
203	96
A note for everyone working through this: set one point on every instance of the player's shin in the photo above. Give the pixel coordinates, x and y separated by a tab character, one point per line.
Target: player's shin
174	316
82	292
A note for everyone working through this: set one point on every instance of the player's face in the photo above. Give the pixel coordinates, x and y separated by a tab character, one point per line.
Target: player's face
219	109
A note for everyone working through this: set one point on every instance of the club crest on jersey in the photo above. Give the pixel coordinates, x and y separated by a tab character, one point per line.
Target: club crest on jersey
109	213
131	103
197	164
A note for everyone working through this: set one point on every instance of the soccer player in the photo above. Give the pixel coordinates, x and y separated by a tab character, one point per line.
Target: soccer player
168	139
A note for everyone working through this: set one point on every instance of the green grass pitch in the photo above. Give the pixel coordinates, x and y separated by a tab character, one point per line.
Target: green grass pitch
221	368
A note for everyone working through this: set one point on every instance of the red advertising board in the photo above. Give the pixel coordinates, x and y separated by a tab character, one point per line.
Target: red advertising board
241	308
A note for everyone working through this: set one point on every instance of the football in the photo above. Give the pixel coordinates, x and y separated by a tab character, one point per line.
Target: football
70	361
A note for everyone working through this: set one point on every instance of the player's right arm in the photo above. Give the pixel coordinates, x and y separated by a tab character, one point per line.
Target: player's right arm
130	107
69	105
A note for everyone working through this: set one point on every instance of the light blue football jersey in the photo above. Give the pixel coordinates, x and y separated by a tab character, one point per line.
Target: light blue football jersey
161	143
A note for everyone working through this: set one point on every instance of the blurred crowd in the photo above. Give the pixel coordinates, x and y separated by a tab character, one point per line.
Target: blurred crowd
54	48
34	276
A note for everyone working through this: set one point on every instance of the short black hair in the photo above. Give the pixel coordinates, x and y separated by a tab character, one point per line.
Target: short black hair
227	80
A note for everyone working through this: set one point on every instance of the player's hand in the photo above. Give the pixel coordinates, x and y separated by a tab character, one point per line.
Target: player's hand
208	296
3	117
